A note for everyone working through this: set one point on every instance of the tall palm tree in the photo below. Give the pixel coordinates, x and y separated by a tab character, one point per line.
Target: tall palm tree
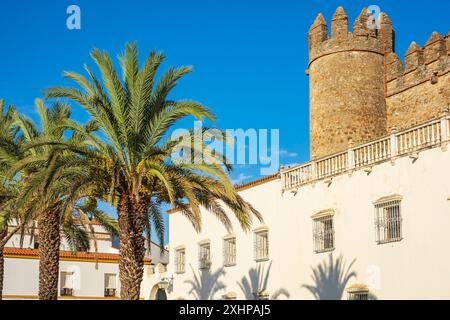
135	117
8	193
55	183
9	188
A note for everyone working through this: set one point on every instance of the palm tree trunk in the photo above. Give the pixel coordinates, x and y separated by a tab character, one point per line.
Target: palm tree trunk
132	215
49	242
2	261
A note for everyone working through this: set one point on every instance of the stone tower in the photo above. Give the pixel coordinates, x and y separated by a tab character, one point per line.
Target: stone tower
347	81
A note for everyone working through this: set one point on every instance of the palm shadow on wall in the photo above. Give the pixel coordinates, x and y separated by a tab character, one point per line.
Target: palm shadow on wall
256	281
330	279
206	284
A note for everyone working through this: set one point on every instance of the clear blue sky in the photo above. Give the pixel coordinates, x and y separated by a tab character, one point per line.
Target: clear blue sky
249	57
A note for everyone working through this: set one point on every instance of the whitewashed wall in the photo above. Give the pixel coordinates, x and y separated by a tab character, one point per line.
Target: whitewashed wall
414	268
22	277
104	246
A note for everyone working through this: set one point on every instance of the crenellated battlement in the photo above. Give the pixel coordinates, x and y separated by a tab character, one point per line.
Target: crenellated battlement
363	38
360	89
421	64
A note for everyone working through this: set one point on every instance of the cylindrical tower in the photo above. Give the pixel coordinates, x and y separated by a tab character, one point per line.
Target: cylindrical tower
347	99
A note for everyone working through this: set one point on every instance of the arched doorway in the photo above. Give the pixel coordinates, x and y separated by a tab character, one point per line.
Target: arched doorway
158	293
161	294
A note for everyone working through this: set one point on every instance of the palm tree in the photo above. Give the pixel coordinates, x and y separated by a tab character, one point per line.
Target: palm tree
8	194
133	153
55	185
9	188
330	279
11	219
207	284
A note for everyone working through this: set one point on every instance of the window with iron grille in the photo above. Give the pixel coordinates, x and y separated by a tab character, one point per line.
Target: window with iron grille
358	292
388	220
36	242
261	245
204	257
323	231
66	283
180	260
110	284
229	251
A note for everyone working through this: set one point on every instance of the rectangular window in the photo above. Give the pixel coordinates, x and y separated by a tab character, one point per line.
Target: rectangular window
36	243
229	246
204	259
66	283
358	292
110	285
323	233
180	260
388	220
361	295
261	245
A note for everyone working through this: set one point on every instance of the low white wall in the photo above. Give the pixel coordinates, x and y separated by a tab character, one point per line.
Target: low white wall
22	277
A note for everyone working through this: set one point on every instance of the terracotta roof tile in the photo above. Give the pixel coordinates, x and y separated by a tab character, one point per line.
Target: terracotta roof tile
66	255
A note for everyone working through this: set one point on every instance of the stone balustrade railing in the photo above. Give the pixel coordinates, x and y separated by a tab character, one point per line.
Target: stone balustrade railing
407	142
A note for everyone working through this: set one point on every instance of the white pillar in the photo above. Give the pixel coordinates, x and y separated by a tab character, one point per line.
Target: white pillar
444	131
393	144
282	178
444	127
313	170
350	156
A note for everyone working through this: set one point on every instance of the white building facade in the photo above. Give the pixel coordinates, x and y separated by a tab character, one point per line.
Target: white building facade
378	215
85	275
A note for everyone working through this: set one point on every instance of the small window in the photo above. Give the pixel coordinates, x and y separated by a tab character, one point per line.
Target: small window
261	245
323	231
66	283
388	220
263	295
229	251
110	285
180	260
36	243
229	296
358	292
204	258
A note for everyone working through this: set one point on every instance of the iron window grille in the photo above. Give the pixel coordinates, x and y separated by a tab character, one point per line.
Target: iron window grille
261	245
323	231
358	292
109	293
388	220
67	284
180	260
229	251
110	284
204	259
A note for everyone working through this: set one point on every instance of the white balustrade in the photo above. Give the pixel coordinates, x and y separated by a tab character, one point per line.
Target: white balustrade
332	165
428	135
373	152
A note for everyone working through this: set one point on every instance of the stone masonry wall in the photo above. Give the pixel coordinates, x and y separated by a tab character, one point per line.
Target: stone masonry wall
347	105
347	102
360	89
420	90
